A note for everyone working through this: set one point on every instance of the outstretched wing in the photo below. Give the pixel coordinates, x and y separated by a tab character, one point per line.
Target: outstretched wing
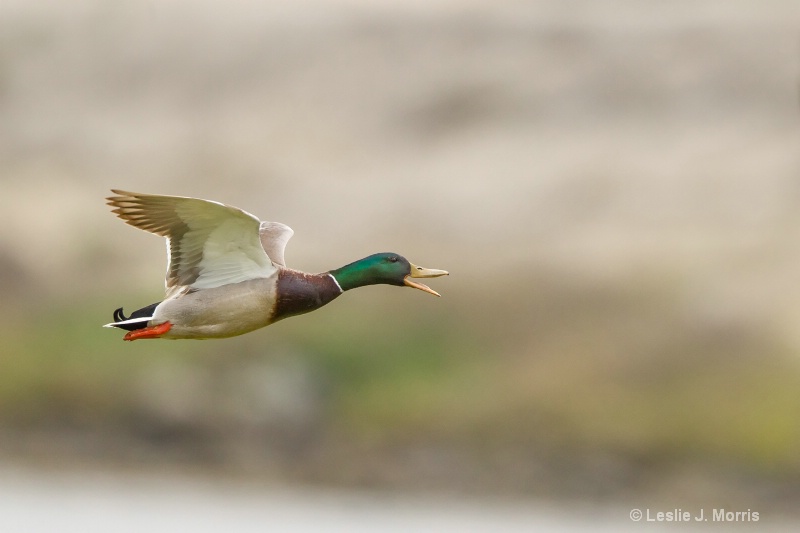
210	244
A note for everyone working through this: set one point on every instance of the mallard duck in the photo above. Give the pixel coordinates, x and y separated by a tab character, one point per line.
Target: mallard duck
226	273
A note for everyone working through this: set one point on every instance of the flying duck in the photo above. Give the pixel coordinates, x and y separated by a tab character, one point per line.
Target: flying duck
226	273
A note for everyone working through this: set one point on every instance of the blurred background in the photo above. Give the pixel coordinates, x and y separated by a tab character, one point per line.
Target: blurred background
613	185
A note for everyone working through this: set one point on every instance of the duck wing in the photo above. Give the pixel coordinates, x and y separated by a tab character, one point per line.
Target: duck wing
209	244
274	237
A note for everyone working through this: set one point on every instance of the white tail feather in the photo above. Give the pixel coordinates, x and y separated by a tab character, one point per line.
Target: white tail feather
137	320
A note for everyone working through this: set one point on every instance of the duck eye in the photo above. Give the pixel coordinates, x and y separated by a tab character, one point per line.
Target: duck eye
393	259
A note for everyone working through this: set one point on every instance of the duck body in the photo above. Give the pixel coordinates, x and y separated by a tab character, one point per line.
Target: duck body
226	274
245	306
218	312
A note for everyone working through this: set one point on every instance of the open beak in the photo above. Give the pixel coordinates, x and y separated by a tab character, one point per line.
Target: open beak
419	272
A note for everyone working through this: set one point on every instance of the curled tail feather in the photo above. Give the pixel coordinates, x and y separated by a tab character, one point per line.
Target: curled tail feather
138	319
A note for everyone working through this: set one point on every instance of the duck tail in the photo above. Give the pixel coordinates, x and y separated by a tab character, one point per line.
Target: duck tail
119	316
137	320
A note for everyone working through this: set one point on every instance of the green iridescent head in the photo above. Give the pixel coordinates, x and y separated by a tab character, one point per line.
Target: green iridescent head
384	268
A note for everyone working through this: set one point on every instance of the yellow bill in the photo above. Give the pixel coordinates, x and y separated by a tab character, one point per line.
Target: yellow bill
420	272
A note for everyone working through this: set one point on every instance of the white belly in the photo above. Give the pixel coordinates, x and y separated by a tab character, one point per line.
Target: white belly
219	312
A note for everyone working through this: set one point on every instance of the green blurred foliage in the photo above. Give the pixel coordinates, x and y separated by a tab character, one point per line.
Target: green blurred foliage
591	369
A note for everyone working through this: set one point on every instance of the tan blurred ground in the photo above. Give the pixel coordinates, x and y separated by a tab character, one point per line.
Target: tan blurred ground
613	185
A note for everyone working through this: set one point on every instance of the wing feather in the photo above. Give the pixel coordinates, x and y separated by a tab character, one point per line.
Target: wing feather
209	244
274	237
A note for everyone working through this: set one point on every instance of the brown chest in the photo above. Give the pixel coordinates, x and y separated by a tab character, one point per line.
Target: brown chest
298	292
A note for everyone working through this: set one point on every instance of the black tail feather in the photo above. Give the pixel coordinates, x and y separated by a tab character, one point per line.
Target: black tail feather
144	312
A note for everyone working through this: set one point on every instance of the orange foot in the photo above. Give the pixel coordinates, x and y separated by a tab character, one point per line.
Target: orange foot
152	332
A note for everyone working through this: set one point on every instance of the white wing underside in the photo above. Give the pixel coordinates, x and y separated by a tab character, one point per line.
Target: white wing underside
209	244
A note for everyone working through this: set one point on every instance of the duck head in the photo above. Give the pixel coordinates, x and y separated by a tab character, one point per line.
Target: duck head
385	268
